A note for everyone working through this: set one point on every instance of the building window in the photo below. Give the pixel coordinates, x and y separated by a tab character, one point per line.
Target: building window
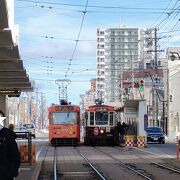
101	59
101	39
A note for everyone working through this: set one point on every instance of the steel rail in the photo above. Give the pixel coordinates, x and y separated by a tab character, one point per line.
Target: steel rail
90	164
44	158
55	164
158	164
166	167
123	164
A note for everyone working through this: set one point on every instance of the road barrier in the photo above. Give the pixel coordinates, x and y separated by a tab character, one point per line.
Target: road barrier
141	141
129	140
135	141
24	152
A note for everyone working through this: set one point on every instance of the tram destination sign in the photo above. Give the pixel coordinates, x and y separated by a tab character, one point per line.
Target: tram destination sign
101	109
64	108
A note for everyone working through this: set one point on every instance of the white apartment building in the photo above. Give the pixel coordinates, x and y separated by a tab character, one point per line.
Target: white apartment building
118	50
146	48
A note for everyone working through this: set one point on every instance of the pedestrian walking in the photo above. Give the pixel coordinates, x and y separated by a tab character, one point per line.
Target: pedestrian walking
9	154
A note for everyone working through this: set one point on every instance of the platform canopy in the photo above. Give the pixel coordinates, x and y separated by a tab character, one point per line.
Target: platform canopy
13	76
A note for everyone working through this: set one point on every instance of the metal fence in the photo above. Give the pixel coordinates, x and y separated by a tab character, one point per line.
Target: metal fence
24	141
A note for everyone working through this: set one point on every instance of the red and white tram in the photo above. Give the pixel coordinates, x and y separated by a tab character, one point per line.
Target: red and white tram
100	125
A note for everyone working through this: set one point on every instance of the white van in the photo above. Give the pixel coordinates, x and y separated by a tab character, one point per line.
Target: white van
30	127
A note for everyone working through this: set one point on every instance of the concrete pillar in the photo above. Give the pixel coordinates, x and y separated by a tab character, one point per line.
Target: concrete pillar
141	113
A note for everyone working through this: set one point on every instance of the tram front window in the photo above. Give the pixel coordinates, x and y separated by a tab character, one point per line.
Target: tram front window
101	118
64	118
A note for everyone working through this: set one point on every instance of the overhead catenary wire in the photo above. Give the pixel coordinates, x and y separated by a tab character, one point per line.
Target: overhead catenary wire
172	9
89	11
94	6
167	21
171	17
77	40
168	14
53	37
150	11
162	14
73	81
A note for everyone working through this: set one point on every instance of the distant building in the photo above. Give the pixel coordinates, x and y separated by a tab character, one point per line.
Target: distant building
146	48
118	50
89	97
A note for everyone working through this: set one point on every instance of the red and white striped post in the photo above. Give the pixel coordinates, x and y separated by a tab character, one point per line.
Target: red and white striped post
177	147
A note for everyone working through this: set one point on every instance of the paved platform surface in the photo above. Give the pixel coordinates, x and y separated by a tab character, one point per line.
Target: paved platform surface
27	172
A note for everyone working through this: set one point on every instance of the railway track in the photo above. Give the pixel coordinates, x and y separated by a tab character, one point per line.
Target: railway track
82	170
142	171
98	173
54	168
103	163
172	169
139	172
49	168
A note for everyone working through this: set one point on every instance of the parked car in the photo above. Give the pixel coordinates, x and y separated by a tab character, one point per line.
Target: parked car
155	134
30	128
21	132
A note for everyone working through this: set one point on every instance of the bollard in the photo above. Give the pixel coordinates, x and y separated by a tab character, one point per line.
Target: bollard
177	147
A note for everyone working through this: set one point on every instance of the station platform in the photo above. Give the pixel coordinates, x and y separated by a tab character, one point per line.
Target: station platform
27	172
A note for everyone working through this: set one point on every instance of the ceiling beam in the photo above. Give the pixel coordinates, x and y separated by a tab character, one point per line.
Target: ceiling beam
6	38
14	80
12	66
13	74
9	53
15	85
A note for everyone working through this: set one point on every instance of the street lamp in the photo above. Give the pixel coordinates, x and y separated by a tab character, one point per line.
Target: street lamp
174	56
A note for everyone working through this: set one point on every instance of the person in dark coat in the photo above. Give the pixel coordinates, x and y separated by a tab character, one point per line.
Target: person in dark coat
123	131
9	154
124	128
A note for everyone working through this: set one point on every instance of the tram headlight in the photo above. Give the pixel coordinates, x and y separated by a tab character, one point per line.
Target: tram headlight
101	131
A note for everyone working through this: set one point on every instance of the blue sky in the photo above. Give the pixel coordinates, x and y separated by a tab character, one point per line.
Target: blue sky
49	28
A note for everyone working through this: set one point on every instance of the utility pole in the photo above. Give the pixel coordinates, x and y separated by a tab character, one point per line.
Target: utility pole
156	70
167	120
37	109
121	85
155	46
42	113
156	109
132	75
